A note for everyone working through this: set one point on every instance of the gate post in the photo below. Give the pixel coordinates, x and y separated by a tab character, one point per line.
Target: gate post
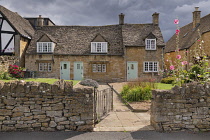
94	105
112	97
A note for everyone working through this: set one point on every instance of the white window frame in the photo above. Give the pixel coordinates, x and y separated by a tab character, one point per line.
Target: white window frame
149	44
45	67
99	47
151	66
45	47
99	68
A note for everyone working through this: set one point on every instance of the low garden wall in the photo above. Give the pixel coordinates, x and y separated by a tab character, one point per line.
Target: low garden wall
185	107
35	106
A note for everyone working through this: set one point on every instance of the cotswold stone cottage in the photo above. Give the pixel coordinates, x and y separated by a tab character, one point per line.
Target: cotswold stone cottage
104	53
190	36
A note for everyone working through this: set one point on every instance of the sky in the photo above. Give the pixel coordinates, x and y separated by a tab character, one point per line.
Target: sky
105	12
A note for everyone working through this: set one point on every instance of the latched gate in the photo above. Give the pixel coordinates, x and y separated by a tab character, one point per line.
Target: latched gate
103	103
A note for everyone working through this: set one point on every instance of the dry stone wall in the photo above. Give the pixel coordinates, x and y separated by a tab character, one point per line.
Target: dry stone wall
36	106
5	61
186	107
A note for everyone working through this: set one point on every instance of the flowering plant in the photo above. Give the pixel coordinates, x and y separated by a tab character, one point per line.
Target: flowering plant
185	70
16	71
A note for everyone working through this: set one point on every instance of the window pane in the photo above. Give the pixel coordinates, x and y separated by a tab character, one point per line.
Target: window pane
103	67
45	67
40	66
104	47
44	47
155	66
39	47
146	67
64	66
93	47
152	44
151	66
94	68
99	47
49	47
49	67
99	67
78	66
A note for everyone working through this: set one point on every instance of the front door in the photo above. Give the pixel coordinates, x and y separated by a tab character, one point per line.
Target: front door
78	70
132	70
65	70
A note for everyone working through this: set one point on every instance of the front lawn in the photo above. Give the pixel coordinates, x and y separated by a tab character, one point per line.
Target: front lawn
164	86
43	80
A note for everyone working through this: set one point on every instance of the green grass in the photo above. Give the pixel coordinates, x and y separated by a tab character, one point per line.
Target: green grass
43	80
164	86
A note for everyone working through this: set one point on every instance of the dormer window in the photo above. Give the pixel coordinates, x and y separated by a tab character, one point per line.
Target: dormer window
98	47
150	44
45	47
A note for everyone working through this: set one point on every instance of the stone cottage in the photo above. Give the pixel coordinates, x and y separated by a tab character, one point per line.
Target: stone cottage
190	37
104	53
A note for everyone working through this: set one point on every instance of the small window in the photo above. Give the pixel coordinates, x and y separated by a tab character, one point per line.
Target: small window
45	47
150	44
78	66
64	66
45	67
98	47
99	67
150	66
132	66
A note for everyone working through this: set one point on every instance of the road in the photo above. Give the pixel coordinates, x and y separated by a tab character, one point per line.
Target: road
71	135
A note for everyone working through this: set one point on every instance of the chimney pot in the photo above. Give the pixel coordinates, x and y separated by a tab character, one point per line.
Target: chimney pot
121	19
196	8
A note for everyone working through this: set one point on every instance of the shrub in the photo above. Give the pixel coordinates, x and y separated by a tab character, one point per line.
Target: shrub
136	94
5	76
16	71
168	80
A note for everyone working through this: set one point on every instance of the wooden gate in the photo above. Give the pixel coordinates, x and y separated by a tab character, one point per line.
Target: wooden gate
103	103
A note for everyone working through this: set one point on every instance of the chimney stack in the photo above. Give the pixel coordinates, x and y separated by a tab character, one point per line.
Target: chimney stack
196	17
40	21
155	18
121	19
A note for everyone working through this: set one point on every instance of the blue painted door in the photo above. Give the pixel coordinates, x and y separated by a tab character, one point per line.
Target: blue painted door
132	70
65	70
78	70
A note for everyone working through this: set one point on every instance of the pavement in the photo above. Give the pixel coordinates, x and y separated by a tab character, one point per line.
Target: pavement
73	135
121	118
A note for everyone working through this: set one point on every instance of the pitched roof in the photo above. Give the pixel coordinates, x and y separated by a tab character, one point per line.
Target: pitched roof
76	40
188	35
20	24
135	34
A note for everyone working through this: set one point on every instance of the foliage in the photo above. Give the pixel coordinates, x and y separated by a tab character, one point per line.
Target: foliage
5	76
185	70
168	80
138	90
16	71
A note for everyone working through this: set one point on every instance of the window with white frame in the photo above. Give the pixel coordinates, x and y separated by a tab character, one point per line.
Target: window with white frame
150	44
45	67
45	47
150	66
99	67
98	47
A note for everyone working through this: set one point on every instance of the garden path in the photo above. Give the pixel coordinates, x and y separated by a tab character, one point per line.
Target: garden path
121	118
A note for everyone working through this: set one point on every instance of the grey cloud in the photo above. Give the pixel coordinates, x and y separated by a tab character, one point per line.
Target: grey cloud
104	12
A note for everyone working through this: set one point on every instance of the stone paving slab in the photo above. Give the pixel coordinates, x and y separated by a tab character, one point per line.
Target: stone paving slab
122	119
